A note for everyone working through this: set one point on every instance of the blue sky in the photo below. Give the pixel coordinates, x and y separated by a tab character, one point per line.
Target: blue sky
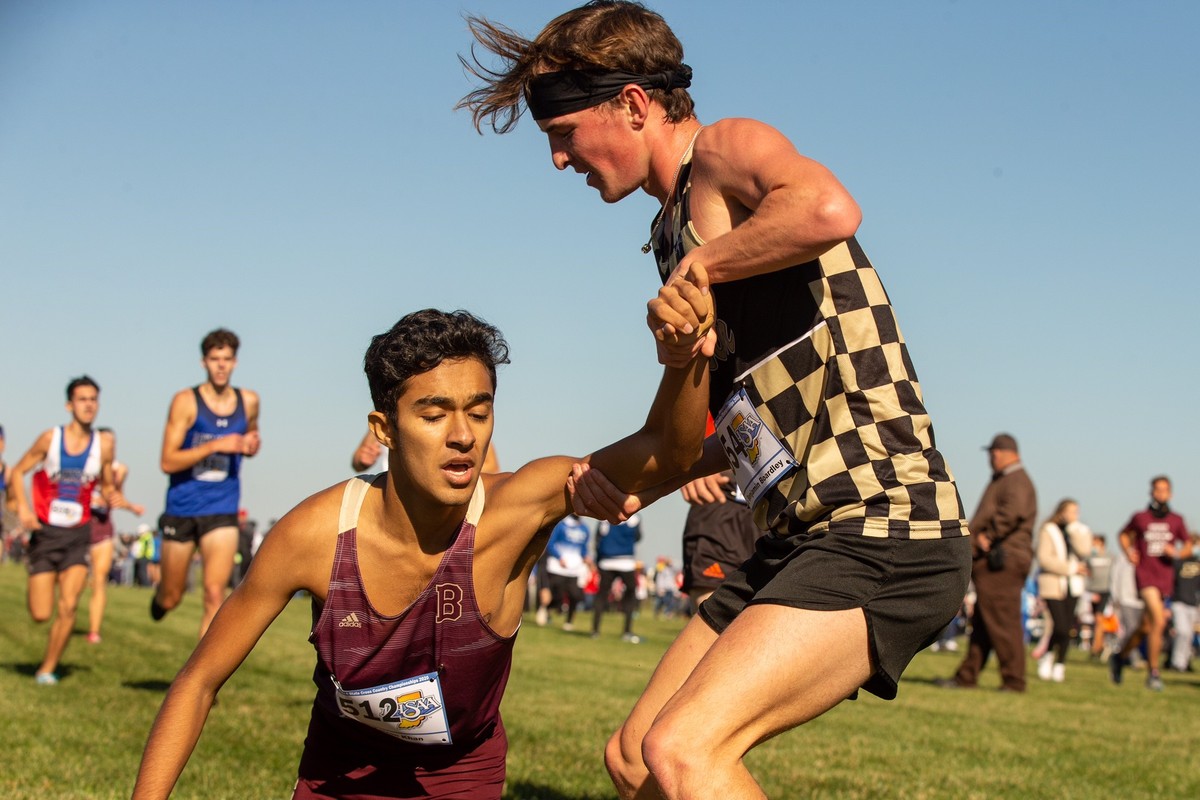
296	172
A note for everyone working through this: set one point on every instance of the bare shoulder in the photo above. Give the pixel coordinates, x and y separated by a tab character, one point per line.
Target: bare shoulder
250	398
727	137
315	513
183	406
41	445
303	541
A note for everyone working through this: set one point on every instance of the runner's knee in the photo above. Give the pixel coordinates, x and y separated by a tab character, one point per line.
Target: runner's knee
672	757
169	597
214	594
622	758
67	606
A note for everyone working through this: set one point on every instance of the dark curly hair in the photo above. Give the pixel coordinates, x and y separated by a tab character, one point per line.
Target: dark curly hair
418	343
221	337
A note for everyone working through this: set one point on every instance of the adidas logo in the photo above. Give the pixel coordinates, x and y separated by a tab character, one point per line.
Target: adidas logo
714	571
350	621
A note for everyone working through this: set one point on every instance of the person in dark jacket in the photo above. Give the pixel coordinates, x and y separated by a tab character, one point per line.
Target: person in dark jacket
1002	530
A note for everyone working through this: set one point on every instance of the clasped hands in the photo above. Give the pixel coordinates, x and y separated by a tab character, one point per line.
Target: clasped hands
682	316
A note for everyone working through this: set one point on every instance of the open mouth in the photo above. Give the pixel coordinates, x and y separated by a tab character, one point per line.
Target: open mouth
459	471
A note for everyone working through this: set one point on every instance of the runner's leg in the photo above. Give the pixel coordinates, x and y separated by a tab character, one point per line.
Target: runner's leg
217	550
70	585
102	555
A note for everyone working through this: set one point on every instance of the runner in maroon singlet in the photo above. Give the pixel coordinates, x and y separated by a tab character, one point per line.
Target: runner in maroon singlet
100	553
418	575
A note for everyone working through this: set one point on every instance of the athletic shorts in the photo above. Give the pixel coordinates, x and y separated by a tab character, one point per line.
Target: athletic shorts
190	529
717	539
1155	573
333	767
54	549
909	589
542	579
102	528
564	586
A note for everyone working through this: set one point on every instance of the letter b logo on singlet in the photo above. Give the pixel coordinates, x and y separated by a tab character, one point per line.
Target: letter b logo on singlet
449	602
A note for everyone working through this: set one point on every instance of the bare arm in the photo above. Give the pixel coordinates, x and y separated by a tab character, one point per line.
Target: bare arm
667	444
179	419
281	568
112	477
367	453
594	495
251	440
760	205
1125	537
33	456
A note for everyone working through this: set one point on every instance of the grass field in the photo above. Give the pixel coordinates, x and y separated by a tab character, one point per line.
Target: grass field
1080	739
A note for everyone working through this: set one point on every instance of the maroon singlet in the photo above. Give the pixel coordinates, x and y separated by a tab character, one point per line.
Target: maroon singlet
434	673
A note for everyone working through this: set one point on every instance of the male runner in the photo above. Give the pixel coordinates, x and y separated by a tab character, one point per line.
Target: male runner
418	575
209	429
74	458
815	400
565	562
1152	540
100	553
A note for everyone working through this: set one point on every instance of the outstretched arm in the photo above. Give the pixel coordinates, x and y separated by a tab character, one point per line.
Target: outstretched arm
667	444
594	495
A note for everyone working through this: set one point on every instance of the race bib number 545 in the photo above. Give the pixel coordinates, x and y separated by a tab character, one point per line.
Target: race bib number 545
411	709
758	458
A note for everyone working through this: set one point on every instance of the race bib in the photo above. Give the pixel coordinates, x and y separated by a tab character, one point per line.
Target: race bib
758	458
411	709
213	469
65	513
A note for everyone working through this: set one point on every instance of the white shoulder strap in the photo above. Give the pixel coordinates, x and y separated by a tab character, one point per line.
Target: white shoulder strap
475	507
352	500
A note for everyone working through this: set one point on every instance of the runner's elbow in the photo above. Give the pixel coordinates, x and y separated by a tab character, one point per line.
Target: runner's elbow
839	217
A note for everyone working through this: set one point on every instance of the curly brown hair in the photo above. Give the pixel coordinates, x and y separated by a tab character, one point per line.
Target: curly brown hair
221	337
603	34
421	341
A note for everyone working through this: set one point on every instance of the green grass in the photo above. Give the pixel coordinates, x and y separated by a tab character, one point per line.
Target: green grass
1080	739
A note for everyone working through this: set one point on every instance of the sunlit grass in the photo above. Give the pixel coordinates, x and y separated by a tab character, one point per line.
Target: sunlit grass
1080	739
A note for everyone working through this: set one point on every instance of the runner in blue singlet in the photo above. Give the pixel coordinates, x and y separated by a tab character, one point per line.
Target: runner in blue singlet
210	428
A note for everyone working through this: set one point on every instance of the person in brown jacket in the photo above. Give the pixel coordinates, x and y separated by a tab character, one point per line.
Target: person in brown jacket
1002	529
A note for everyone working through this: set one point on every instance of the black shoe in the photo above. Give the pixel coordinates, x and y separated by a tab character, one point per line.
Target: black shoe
157	612
1115	665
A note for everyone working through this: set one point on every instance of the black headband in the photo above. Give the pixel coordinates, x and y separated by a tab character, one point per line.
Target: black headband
553	94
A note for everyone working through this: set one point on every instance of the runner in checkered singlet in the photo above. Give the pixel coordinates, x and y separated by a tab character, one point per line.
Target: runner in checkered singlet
815	400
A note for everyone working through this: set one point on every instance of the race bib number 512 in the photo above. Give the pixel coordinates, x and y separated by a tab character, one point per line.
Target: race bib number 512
411	709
